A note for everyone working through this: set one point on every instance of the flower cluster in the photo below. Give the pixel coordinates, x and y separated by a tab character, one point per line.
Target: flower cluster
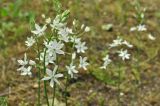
140	17
122	53
55	45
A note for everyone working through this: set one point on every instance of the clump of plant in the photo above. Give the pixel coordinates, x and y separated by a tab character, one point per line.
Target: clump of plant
57	48
117	54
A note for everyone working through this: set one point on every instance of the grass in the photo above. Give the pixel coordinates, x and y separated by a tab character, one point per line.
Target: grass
3	101
94	87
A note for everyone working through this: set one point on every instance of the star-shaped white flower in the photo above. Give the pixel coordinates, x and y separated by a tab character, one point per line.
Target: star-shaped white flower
81	47
65	31
39	30
127	44
73	56
30	41
26	71
71	69
25	63
133	29
124	54
87	29
75	40
151	37
116	42
138	28
52	76
107	61
83	63
48	20
54	48
141	28
64	34
56	24
48	58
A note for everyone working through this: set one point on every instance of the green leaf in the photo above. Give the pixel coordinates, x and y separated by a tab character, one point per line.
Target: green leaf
3	12
136	74
3	101
57	6
103	77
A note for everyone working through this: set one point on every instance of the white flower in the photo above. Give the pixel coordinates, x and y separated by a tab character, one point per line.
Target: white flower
75	40
48	58
64	32
116	42
127	44
26	71
25	63
83	63
56	24
54	47
30	41
52	76
141	28
82	26
81	47
48	20
73	56
74	22
87	29
71	69
43	15
124	54
39	31
133	29
64	38
151	37
138	28
107	61
31	62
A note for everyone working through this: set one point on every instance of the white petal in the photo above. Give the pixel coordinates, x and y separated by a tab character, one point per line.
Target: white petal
58	75
52	83
20	62
37	27
57	81
44	28
35	32
59	51
73	56
31	62
55	69
46	78
49	72
75	71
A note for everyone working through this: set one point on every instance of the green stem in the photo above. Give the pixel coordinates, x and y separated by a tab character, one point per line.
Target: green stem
135	89
66	86
54	88
39	76
45	93
54	93
44	72
45	85
119	82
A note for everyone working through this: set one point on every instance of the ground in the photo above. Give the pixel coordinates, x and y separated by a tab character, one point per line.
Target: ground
140	85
